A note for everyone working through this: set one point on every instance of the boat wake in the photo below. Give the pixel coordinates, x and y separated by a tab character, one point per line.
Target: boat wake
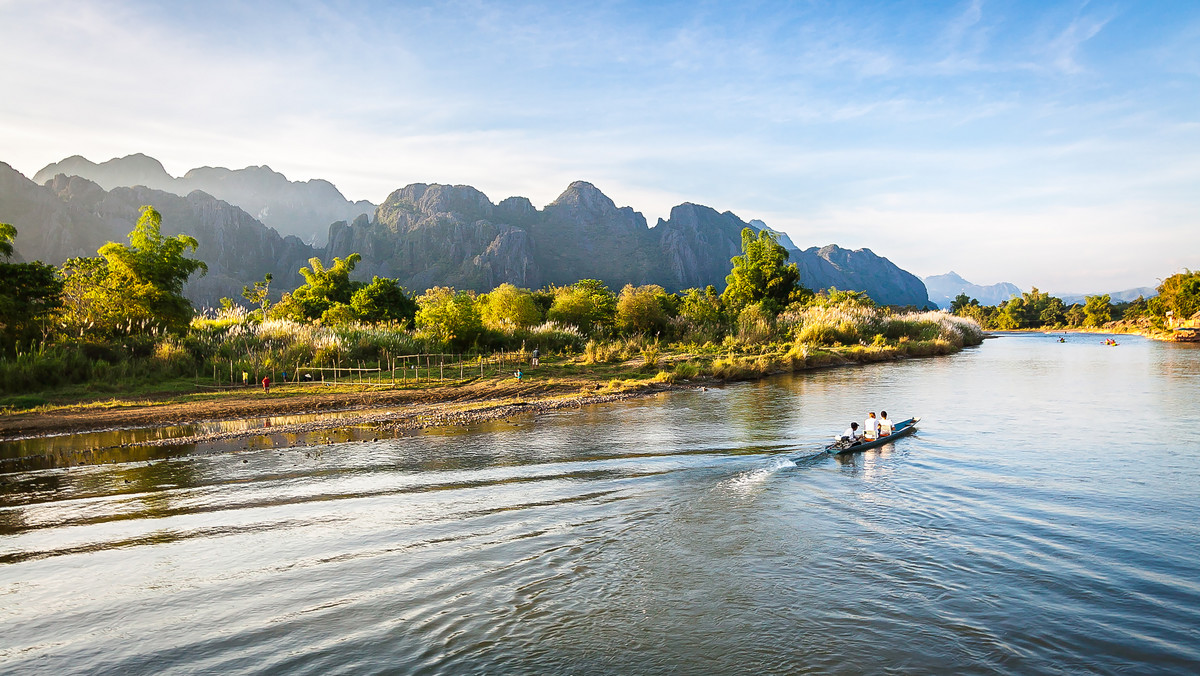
751	479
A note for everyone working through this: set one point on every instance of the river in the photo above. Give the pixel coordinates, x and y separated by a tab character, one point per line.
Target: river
1044	519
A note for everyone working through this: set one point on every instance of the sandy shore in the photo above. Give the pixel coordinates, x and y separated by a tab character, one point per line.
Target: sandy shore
390	412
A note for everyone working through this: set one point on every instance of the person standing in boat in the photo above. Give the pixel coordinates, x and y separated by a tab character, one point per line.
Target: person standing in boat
871	428
885	425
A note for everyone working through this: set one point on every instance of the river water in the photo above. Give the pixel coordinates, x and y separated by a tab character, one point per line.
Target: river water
1045	518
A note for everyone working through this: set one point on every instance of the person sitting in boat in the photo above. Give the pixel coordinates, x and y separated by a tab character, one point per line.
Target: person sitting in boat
851	433
885	425
871	428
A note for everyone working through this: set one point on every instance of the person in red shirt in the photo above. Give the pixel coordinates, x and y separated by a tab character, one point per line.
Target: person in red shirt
267	384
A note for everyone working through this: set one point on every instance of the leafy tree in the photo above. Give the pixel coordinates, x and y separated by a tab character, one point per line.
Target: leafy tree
700	314
833	297
259	295
1054	313
640	309
133	287
762	273
7	234
450	316
587	304
961	301
1180	295
30	294
323	288
1075	315
1097	310
508	307
383	300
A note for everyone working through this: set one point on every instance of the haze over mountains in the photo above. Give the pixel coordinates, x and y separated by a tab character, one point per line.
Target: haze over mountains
301	208
423	235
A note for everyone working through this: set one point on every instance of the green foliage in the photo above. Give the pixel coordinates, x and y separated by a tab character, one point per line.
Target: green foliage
383	300
961	302
642	309
508	307
587	304
833	297
701	315
449	316
322	289
132	288
30	295
1178	294
8	233
761	274
260	294
1097	310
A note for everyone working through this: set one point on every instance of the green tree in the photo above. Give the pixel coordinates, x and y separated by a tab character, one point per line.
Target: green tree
450	316
1075	315
323	288
383	300
642	309
961	301
1054	313
762	274
260	294
30	294
587	304
8	233
701	312
507	307
1179	294
1097	310
133	287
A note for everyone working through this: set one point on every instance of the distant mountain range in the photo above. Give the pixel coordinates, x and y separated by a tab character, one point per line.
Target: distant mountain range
944	288
301	208
1116	296
423	235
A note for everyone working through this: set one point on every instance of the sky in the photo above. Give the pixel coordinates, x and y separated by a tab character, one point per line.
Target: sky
1048	144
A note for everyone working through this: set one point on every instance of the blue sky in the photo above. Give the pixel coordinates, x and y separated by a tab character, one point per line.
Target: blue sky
1048	144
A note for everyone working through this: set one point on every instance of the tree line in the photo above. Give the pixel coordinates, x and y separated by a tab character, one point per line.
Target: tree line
137	289
1178	299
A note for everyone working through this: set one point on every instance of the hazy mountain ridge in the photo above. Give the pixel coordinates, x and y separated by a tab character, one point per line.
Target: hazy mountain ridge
944	288
71	216
428	235
301	208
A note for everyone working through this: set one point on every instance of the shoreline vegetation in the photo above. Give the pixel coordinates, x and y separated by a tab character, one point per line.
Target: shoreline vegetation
1176	306
599	372
110	341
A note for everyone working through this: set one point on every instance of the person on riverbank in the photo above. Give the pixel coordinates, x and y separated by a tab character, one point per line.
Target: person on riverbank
885	425
871	428
533	358
266	382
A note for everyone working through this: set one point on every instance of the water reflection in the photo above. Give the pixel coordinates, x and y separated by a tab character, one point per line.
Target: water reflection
696	532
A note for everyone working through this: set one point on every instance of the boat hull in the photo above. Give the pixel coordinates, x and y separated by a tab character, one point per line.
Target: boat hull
902	429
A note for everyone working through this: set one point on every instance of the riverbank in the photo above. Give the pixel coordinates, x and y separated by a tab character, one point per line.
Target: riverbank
559	382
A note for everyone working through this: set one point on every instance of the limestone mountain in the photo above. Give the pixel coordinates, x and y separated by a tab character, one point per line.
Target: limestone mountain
944	288
72	216
426	235
301	208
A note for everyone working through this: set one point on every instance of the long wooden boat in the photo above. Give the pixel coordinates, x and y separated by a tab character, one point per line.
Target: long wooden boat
902	429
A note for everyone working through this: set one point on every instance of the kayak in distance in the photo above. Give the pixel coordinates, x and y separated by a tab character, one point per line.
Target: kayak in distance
902	429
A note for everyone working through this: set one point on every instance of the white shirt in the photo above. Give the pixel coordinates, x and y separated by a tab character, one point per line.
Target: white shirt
850	432
871	428
885	426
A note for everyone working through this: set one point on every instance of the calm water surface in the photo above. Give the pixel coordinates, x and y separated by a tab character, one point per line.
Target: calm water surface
1045	518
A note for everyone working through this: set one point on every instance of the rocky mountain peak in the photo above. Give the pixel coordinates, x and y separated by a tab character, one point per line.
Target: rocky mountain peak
585	198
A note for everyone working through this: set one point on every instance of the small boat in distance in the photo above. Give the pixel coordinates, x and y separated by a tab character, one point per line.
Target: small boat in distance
902	428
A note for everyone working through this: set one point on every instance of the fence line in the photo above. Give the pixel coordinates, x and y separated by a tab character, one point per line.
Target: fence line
392	370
